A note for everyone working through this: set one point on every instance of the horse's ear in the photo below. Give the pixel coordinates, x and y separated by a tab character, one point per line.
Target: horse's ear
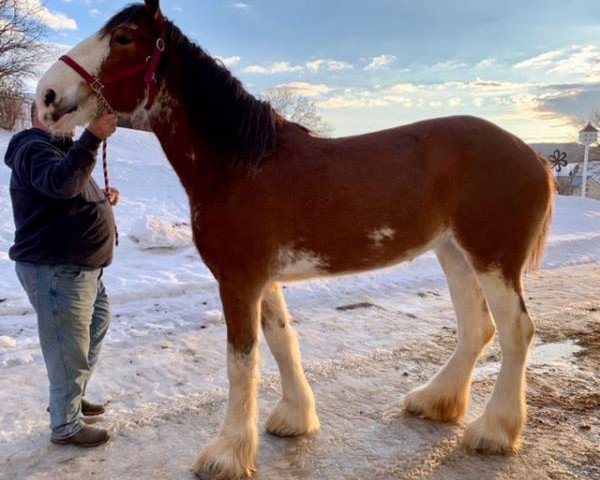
153	8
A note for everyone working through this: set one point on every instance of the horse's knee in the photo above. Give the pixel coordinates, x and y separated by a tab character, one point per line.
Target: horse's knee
241	308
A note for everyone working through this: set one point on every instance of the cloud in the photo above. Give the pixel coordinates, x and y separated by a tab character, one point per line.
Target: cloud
382	61
573	60
94	12
486	63
54	20
315	65
450	65
578	102
360	100
452	94
242	7
273	68
535	111
312	66
541	61
404	88
306	89
229	61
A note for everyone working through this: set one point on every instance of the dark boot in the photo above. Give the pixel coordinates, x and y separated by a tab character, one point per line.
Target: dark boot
91	409
86	437
88	409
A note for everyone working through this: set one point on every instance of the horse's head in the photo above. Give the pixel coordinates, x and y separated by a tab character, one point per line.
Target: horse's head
119	57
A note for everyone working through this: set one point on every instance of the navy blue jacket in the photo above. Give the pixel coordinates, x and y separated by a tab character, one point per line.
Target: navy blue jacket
61	215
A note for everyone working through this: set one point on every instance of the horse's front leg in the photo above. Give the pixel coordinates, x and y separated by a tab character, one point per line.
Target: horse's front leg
295	413
232	453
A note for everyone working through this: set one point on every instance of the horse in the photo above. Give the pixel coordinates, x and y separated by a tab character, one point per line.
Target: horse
271	202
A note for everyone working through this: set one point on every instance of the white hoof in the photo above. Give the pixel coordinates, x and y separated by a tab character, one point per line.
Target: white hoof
289	420
494	436
226	458
436	404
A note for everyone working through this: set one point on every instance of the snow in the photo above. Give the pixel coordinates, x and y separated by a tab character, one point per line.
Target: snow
152	232
166	347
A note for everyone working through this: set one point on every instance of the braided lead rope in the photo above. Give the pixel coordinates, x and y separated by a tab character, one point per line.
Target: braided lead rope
107	109
107	182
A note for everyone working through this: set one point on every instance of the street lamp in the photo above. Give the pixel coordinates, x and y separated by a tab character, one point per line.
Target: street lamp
587	136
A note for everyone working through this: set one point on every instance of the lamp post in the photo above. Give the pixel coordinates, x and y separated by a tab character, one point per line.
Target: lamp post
587	136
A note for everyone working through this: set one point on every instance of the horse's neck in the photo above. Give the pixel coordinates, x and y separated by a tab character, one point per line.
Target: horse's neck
193	161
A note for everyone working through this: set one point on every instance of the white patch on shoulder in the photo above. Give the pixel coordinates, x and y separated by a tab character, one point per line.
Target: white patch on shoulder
381	234
293	264
163	106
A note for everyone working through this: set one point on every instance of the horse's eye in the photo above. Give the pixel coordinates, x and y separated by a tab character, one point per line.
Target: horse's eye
122	39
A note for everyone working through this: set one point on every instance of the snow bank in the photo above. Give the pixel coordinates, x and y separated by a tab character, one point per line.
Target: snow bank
152	232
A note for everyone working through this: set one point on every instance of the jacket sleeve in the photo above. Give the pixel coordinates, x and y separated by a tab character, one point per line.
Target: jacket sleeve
56	175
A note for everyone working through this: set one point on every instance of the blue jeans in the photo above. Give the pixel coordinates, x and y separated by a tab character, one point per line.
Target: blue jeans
73	315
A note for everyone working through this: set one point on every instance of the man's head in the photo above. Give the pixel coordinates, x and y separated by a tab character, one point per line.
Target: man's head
35	122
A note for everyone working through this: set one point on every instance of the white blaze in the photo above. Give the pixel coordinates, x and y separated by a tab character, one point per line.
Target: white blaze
66	83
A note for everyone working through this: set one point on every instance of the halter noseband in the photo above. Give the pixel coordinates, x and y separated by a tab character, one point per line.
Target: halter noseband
97	84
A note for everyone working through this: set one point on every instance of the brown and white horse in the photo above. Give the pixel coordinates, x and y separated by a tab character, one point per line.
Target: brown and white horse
270	202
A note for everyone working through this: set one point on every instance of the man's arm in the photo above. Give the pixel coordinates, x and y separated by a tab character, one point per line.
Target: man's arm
65	177
59	176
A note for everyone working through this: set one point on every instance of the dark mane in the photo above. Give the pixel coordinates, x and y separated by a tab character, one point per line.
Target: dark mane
235	123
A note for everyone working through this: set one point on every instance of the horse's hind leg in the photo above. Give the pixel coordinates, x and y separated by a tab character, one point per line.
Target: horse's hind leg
232	453
499	429
295	413
446	396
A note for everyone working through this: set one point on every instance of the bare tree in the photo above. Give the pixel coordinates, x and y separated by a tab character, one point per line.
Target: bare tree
11	103
299	109
21	50
20	35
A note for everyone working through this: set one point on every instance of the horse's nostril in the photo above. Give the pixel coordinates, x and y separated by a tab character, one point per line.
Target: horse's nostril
50	97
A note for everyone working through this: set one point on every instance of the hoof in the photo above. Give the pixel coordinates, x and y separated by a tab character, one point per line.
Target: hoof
291	421
492	437
427	402
226	459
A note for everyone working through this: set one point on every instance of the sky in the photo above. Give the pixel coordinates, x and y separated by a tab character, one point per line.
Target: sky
531	66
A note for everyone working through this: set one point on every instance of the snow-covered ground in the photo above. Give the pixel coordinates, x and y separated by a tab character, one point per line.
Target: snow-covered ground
164	358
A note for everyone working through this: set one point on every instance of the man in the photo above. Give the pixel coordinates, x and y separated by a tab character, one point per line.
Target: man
64	238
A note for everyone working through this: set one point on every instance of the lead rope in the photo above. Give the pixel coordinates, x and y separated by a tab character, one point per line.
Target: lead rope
107	109
107	182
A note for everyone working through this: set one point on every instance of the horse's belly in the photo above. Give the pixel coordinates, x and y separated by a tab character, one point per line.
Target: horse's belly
299	263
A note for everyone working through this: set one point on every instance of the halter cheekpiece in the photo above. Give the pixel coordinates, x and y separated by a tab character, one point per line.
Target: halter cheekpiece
97	84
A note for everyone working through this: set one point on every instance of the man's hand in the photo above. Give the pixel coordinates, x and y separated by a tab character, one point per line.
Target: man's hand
103	126
112	195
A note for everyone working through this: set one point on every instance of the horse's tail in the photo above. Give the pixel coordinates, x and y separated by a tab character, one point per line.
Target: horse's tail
537	252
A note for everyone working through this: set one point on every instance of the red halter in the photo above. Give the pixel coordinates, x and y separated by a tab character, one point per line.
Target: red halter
97	84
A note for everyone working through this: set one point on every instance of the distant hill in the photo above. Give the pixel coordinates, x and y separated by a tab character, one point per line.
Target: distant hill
573	150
